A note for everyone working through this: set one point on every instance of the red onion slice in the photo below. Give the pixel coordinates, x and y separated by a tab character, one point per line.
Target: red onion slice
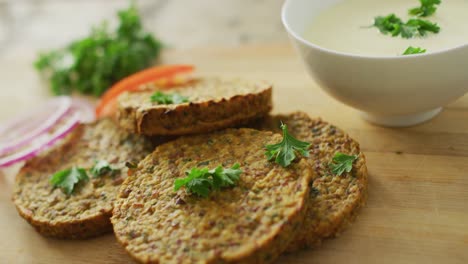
42	142
20	131
85	108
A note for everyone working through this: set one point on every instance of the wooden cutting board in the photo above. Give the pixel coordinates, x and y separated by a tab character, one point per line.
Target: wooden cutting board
418	188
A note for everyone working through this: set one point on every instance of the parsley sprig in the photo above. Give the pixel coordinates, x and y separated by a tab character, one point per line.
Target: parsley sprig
201	181
427	8
342	163
102	167
173	98
92	64
393	25
388	24
414	50
68	179
285	152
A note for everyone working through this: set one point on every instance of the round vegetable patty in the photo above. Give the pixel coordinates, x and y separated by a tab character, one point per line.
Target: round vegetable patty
252	222
336	199
86	211
210	104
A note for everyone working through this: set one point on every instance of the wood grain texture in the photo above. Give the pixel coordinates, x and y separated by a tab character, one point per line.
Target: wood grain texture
418	194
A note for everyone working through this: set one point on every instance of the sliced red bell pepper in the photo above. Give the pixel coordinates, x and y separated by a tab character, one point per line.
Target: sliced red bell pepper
106	105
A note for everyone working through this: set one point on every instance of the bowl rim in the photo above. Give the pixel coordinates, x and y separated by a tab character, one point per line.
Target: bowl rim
299	38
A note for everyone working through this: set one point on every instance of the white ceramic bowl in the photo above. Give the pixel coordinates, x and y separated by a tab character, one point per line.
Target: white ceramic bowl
390	91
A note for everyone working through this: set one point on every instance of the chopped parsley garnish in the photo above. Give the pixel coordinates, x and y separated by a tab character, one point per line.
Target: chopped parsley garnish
93	64
414	50
285	152
202	181
341	163
102	167
418	27
414	27
173	98
427	8
68	179
388	24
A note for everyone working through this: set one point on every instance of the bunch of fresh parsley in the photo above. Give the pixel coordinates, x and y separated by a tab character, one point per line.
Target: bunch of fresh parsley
202	181
285	152
173	98
92	64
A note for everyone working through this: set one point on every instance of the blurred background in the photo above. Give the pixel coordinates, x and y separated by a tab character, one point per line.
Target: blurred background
44	24
28	27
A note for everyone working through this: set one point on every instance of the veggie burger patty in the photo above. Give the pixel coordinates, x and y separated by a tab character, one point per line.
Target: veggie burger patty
210	104
336	199
251	222
86	211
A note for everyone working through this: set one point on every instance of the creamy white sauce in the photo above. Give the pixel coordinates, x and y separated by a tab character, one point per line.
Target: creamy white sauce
344	27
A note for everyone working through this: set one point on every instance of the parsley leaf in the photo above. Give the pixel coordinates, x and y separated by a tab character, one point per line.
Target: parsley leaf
388	24
92	64
197	181
225	177
341	163
67	179
414	50
174	98
408	31
102	167
394	26
202	181
285	152
423	26
427	8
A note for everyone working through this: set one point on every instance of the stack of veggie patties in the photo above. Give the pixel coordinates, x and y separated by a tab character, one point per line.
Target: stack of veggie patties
216	194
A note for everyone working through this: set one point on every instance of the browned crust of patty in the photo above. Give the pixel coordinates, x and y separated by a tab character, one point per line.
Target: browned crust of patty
91	227
196	117
338	198
266	252
143	236
36	172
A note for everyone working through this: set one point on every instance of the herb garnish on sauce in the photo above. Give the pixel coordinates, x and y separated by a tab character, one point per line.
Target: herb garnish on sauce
174	98
414	27
414	50
68	179
427	8
202	181
285	152
341	163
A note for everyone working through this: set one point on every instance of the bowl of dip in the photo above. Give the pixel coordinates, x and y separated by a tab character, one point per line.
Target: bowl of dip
361	67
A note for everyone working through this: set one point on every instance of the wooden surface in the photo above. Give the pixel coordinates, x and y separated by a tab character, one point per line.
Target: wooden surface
418	195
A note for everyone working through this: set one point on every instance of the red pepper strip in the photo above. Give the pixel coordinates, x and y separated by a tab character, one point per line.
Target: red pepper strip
133	82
